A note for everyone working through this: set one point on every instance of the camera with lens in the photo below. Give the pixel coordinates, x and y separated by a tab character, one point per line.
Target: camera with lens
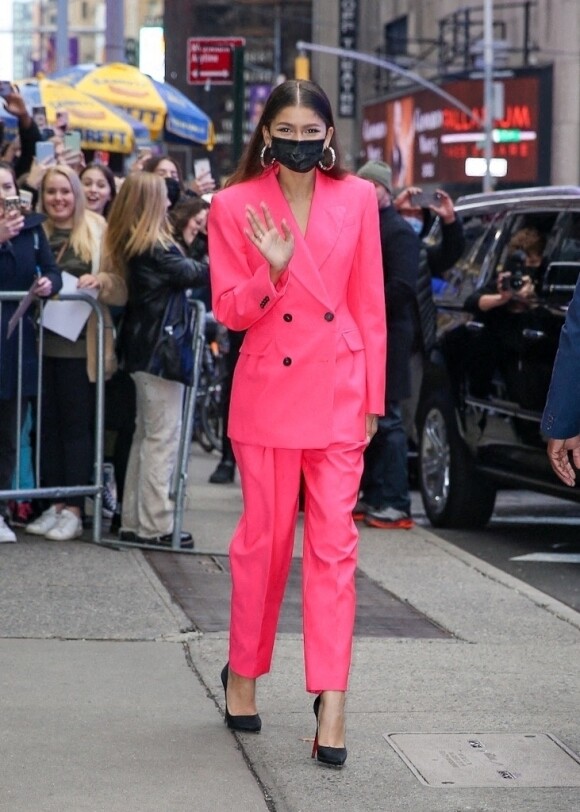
515	270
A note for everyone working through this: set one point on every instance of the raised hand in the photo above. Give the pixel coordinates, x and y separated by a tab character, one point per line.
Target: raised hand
11	225
276	246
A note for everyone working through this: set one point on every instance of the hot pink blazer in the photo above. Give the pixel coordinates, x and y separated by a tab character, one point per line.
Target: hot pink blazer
313	359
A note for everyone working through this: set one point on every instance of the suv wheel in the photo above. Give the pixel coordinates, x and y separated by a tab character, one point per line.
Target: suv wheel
453	493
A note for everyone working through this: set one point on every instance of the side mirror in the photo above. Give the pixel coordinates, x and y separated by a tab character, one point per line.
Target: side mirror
560	280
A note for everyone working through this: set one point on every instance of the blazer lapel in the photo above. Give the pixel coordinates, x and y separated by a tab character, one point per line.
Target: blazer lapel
312	249
325	221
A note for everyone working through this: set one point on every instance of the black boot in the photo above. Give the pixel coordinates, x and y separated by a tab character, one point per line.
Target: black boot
224	473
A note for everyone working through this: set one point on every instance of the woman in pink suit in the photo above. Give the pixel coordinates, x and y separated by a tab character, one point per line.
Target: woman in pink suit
295	261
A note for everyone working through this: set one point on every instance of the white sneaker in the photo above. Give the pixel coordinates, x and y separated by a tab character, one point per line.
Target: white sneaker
68	526
45	522
6	533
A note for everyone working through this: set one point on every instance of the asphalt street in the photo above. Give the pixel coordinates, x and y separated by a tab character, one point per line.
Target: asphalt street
533	537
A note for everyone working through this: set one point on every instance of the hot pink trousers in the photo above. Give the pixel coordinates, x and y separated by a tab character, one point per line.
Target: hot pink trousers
261	554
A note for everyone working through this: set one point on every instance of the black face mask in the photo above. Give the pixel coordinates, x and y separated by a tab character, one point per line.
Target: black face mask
299	156
173	191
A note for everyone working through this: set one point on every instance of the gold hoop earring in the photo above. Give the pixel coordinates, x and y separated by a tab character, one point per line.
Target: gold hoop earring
326	167
265	165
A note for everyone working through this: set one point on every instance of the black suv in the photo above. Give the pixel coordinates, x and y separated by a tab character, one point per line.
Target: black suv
486	382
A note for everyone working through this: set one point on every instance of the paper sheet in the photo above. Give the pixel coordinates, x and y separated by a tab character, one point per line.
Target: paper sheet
68	318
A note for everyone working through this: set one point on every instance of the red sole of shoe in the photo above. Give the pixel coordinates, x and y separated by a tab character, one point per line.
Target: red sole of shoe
400	524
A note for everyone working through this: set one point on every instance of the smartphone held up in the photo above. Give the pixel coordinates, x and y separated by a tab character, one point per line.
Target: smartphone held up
72	140
422	200
44	150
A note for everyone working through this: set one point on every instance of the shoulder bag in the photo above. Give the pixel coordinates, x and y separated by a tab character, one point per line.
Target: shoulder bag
172	356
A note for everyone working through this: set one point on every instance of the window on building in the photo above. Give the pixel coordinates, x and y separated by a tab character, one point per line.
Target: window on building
396	36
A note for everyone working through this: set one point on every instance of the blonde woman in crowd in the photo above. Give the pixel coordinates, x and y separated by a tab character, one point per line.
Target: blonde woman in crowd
139	241
69	367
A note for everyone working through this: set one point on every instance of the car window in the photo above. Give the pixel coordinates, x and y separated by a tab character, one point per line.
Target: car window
460	280
480	262
567	248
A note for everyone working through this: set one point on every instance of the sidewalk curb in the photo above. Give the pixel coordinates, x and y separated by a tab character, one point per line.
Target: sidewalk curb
555	607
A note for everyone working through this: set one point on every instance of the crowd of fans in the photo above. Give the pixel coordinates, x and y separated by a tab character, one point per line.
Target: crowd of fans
133	241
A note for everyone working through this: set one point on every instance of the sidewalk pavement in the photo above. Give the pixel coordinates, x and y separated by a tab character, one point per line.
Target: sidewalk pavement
110	703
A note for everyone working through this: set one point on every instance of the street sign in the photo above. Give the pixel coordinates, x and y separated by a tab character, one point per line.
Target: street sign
211	59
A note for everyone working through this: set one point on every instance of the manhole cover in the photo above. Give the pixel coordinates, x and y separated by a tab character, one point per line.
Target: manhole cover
488	759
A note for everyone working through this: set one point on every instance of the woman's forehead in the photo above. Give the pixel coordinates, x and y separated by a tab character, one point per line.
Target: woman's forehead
298	116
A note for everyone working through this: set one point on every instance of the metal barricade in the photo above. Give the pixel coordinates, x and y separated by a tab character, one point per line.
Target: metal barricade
95	489
180	474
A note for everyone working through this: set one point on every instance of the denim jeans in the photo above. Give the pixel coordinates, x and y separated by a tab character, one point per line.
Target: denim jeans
385	481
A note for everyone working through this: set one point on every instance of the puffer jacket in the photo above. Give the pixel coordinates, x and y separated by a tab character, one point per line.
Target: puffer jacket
151	279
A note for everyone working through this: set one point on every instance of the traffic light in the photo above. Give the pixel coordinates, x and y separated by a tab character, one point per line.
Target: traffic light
132	51
302	67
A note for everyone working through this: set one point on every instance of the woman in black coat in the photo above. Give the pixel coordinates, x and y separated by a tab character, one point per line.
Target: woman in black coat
25	258
139	242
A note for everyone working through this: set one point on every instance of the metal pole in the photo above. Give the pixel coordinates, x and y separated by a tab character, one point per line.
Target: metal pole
239	100
277	40
392	66
488	181
115	32
62	35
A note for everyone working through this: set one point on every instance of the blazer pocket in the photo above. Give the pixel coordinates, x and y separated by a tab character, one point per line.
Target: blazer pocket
256	344
353	340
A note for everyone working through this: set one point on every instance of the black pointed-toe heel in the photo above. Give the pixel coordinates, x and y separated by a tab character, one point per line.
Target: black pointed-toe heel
243	724
329	756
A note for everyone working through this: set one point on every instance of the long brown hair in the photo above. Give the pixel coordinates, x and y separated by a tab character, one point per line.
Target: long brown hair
138	219
293	93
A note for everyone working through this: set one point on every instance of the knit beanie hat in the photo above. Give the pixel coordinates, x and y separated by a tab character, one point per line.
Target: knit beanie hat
378	171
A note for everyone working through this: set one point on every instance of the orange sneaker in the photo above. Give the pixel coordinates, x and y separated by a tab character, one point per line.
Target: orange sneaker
389	519
360	510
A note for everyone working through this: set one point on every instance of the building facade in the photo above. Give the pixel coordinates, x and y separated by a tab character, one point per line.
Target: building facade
535	44
34	26
269	30
536	72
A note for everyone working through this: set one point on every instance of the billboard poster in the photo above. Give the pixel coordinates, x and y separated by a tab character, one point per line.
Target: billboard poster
428	140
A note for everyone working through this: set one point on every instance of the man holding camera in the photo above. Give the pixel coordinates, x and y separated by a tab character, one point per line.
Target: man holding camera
515	284
501	305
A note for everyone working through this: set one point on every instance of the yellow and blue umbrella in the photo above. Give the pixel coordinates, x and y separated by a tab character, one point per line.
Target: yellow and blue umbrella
101	127
159	106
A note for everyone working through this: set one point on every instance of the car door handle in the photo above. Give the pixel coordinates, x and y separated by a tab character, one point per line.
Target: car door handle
533	335
475	326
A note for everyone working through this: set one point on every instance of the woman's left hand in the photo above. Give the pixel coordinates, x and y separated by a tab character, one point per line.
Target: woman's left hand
88	281
274	246
372	424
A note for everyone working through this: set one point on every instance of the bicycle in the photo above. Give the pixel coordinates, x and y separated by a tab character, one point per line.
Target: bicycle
208	422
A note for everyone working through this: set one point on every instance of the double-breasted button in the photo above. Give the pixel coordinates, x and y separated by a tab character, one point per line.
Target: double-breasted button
264	302
329	316
287	316
287	361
